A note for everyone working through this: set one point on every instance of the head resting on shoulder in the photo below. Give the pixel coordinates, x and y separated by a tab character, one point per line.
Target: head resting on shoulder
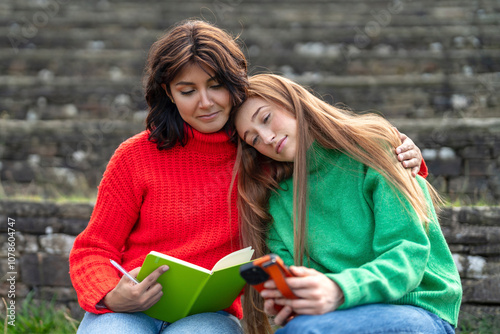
368	138
191	42
264	160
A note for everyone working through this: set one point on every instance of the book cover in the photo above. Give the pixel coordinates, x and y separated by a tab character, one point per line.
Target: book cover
190	289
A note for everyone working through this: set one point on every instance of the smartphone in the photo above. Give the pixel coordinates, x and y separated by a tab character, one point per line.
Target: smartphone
270	266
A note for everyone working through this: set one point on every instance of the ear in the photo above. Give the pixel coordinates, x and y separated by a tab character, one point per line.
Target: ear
166	92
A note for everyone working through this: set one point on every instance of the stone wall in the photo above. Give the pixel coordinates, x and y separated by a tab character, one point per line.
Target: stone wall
71	90
67	158
70	93
44	235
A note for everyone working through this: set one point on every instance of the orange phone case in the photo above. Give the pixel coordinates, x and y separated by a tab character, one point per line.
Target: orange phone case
270	266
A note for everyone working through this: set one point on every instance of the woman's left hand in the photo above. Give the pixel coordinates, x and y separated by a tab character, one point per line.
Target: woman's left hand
409	154
317	293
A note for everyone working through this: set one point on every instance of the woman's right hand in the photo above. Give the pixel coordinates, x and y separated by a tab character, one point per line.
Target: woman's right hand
130	297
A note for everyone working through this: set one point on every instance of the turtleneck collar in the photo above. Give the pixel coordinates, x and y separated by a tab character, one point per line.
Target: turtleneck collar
320	158
218	142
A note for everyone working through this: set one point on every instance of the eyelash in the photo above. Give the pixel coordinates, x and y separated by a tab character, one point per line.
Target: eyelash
213	87
264	120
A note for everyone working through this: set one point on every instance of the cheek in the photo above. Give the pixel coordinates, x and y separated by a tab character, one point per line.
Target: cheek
224	99
185	108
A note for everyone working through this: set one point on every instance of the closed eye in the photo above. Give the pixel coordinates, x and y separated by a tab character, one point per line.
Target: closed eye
187	93
255	140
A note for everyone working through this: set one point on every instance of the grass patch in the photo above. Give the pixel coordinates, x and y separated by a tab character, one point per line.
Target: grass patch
39	316
473	324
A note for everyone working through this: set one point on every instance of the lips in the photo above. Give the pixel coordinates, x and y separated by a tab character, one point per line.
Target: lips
281	144
209	116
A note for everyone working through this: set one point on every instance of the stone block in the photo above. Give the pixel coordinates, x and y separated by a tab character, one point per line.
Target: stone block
18	171
60	294
489	249
468	235
483	291
445	216
22	243
73	226
36	225
476	152
452	167
476	185
496	148
57	243
17	209
439	183
487	216
43	269
75	210
458	248
21	289
480	167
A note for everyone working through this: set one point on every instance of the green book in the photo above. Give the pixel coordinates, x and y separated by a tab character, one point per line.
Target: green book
190	289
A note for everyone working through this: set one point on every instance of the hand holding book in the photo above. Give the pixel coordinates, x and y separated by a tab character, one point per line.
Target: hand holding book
130	297
189	289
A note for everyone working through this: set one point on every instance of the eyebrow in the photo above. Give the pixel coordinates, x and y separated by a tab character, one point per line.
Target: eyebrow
252	119
187	83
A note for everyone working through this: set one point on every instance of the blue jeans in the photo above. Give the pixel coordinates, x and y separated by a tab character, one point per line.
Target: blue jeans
370	319
124	323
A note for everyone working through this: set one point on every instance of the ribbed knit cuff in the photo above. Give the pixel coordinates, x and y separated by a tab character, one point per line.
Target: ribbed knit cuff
352	294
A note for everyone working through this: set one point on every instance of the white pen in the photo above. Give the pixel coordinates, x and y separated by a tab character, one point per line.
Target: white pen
124	272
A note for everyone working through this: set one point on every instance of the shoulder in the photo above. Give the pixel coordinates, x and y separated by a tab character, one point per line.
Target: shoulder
139	141
136	146
133	149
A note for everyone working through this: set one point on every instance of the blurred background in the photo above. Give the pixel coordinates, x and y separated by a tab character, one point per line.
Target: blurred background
71	92
70	88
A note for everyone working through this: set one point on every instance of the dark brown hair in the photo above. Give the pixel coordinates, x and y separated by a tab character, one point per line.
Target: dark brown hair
189	42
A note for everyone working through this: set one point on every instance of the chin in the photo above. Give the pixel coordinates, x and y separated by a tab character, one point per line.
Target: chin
210	129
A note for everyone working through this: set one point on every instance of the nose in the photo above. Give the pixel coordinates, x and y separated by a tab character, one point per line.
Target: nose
267	136
205	100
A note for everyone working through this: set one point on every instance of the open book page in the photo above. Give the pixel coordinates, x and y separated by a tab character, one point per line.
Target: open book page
238	257
187	264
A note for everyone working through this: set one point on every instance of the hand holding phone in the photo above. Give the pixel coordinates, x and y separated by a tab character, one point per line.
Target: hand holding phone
270	266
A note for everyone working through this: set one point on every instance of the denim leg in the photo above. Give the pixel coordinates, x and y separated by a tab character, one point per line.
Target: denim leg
370	319
209	323
119	323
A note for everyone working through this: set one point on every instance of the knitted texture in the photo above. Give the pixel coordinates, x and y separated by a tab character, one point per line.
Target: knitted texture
171	201
366	237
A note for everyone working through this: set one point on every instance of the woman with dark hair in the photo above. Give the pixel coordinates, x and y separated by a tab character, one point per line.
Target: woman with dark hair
321	188
168	188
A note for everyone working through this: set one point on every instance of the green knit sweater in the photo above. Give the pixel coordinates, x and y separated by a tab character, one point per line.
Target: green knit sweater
362	236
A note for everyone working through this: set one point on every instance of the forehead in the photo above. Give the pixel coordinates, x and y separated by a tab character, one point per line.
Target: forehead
193	71
243	120
250	106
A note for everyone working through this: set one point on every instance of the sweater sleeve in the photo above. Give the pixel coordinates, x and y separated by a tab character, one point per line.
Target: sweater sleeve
278	247
423	172
115	213
400	245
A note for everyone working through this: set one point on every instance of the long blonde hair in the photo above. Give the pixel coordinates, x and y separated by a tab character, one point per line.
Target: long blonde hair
364	137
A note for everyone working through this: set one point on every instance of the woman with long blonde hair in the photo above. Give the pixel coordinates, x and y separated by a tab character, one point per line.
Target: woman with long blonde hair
322	188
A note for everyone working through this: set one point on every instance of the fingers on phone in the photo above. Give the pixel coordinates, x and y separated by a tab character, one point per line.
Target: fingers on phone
283	315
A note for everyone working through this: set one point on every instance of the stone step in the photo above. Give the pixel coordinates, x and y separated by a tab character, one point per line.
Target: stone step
50	158
122	37
152	12
414	96
338	59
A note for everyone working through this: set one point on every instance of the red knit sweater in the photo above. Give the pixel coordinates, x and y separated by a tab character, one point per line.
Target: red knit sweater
172	201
